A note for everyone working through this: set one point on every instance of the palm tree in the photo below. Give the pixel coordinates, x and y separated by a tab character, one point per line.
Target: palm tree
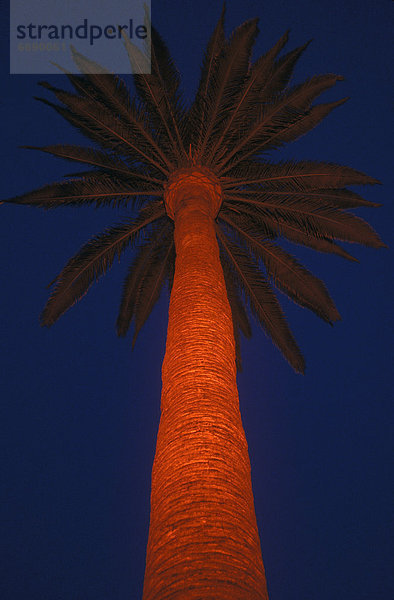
209	211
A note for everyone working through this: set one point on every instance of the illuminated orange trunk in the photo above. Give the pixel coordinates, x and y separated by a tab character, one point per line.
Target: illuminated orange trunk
203	539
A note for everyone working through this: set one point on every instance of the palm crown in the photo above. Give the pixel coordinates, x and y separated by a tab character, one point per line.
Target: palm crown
241	110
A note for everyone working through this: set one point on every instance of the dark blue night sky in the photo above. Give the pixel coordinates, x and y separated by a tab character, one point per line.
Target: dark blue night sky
80	409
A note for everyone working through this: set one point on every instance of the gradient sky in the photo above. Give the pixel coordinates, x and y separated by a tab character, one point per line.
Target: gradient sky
80	410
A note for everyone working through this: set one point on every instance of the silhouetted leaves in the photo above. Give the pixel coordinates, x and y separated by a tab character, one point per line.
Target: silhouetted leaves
242	108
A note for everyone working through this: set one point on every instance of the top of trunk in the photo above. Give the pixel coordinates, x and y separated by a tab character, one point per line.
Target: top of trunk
194	184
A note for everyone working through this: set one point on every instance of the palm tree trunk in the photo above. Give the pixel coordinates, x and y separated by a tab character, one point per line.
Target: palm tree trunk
203	538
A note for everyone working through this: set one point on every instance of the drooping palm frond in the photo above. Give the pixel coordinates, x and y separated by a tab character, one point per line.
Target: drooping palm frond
241	323
293	233
262	301
145	277
93	260
288	275
242	109
149	292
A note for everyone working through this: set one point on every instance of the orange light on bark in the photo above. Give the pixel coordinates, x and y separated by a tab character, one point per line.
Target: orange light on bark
203	538
195	182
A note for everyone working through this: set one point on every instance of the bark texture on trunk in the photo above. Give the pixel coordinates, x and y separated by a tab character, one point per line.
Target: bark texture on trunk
203	539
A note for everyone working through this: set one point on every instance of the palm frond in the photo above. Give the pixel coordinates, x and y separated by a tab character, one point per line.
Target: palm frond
312	218
293	233
94	120
196	115
296	128
337	198
149	292
295	176
281	72
148	260
99	189
276	126
263	70
159	91
273	229
93	260
232	68
302	95
250	216
102	160
263	87
287	273
242	115
262	301
241	321
100	86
